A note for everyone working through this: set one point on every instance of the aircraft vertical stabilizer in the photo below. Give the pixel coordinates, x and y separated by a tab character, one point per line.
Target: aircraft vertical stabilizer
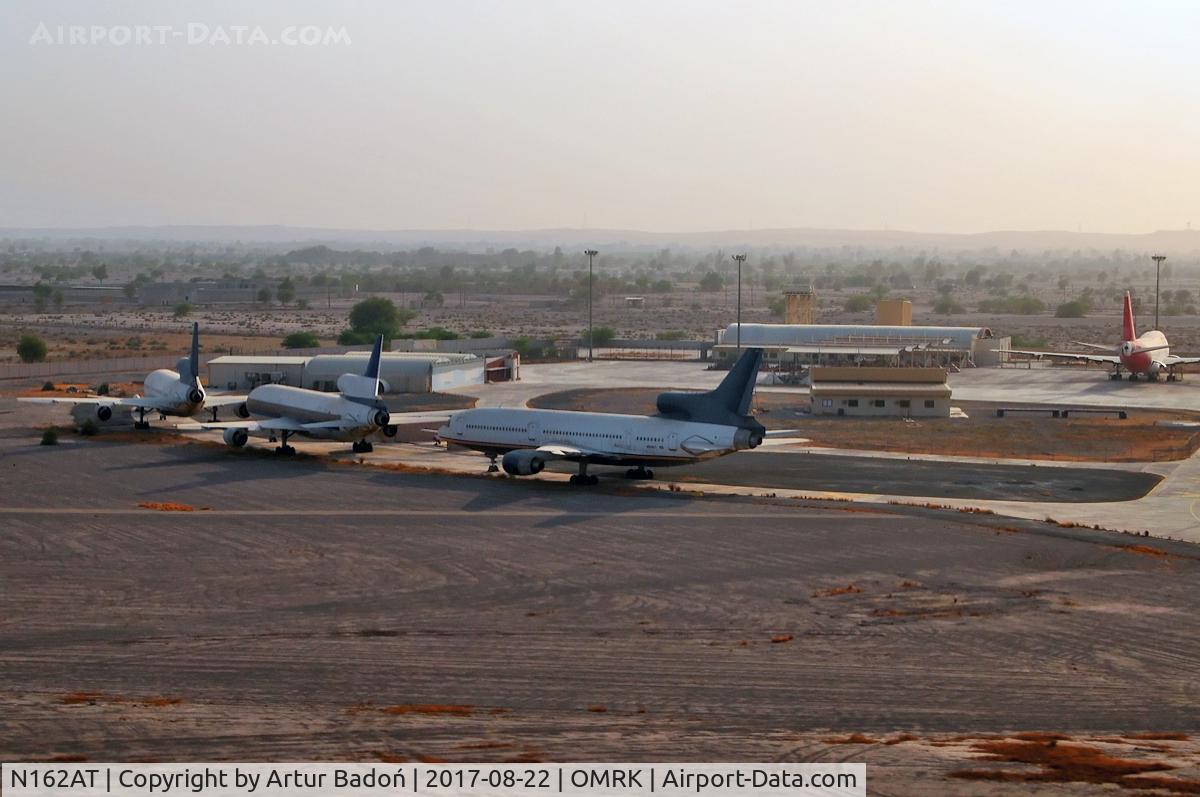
1129	331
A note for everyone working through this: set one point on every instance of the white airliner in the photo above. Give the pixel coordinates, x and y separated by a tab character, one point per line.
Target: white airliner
1147	354
354	414
167	392
689	427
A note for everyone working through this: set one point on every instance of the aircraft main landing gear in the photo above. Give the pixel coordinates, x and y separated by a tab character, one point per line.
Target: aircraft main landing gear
492	466
283	448
582	478
639	473
363	447
1133	377
141	422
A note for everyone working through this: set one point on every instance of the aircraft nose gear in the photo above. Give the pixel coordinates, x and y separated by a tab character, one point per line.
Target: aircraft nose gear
493	467
214	413
362	447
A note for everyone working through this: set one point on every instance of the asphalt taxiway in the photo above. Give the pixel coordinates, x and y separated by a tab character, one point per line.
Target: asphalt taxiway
304	610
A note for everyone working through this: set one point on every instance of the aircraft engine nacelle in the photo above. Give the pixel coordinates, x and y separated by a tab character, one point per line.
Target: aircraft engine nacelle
523	463
1155	367
104	412
381	418
236	437
747	438
389	431
243	411
195	395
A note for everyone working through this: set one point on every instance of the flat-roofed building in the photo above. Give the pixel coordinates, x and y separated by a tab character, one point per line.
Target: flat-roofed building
795	345
896	392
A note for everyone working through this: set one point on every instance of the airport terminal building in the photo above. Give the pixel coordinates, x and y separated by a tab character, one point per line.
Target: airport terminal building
789	346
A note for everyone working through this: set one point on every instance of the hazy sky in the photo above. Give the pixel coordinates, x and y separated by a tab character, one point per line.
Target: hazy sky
955	116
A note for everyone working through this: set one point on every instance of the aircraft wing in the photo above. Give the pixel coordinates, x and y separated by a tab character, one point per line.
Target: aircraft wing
1098	346
563	451
271	425
222	400
405	418
113	401
1112	359
1175	360
777	433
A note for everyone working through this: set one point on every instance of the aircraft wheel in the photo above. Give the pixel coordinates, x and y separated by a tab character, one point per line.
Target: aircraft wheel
362	447
286	451
639	473
141	425
584	481
1133	377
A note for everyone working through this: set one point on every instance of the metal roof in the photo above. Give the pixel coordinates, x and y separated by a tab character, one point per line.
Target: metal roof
926	390
262	359
854	334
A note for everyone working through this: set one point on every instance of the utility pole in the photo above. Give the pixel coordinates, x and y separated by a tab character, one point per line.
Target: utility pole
740	259
1158	259
591	253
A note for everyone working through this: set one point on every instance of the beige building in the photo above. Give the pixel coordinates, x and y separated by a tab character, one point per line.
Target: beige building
893	313
894	392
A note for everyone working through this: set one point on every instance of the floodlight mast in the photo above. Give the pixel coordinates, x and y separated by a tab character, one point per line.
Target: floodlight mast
740	260
591	253
1158	259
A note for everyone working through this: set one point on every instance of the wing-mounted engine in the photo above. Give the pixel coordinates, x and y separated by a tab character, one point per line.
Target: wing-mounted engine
236	437
523	463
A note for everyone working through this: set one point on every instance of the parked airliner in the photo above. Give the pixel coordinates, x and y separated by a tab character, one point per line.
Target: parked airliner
689	427
1147	354
353	414
168	392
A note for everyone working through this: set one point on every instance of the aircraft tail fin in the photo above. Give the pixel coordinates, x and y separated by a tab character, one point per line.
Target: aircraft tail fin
1129	330
194	354
367	385
727	404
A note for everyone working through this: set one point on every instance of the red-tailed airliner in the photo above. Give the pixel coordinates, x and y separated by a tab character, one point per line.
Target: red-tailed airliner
1147	354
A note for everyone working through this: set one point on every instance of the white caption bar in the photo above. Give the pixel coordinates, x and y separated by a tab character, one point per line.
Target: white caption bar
432	780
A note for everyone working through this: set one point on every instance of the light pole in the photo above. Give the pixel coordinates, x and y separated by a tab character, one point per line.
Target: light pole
591	253
740	259
1158	259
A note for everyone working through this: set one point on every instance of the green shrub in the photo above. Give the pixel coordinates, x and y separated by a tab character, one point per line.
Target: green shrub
1076	308
31	349
102	390
50	437
350	337
601	336
182	310
480	334
48	386
947	306
301	340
